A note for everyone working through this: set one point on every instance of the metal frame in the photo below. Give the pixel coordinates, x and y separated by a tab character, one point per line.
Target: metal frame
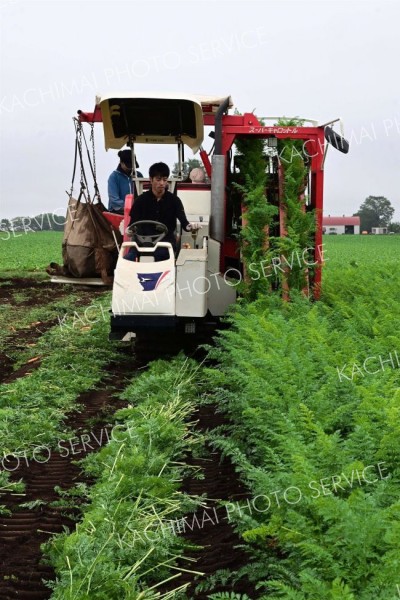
248	125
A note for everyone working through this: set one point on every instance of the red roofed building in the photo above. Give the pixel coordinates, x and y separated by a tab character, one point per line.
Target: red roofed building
339	225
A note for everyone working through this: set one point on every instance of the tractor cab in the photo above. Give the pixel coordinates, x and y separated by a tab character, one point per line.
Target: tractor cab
154	287
130	119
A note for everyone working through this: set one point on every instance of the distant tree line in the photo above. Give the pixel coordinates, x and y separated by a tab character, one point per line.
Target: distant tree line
376	211
42	222
395	227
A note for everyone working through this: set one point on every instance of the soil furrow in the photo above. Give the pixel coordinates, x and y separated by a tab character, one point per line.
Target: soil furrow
37	514
211	529
40	294
24	530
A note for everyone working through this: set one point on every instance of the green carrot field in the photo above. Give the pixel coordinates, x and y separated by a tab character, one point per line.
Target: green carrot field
29	252
364	249
307	399
32	252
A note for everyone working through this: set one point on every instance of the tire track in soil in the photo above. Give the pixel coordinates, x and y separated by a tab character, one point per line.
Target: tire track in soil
216	535
21	339
30	335
35	288
22	533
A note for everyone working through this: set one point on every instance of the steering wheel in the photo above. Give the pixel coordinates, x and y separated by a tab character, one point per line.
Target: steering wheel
151	238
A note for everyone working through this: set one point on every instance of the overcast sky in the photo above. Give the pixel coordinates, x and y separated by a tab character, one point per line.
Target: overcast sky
317	59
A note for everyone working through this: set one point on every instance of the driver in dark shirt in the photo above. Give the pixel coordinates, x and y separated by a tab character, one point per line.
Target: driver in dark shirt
158	204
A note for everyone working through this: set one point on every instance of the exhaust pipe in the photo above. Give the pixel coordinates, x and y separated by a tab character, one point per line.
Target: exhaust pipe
218	125
217	217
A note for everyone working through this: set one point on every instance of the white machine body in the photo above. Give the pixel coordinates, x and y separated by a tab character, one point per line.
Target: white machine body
188	286
145	287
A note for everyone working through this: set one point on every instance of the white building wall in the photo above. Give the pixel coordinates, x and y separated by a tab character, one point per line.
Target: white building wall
335	229
340	229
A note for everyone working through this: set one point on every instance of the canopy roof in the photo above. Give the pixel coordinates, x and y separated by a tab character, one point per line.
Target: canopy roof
210	104
154	118
341	220
151	120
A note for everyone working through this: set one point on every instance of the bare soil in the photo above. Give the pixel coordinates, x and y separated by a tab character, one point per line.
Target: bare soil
22	571
21	568
38	293
216	537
